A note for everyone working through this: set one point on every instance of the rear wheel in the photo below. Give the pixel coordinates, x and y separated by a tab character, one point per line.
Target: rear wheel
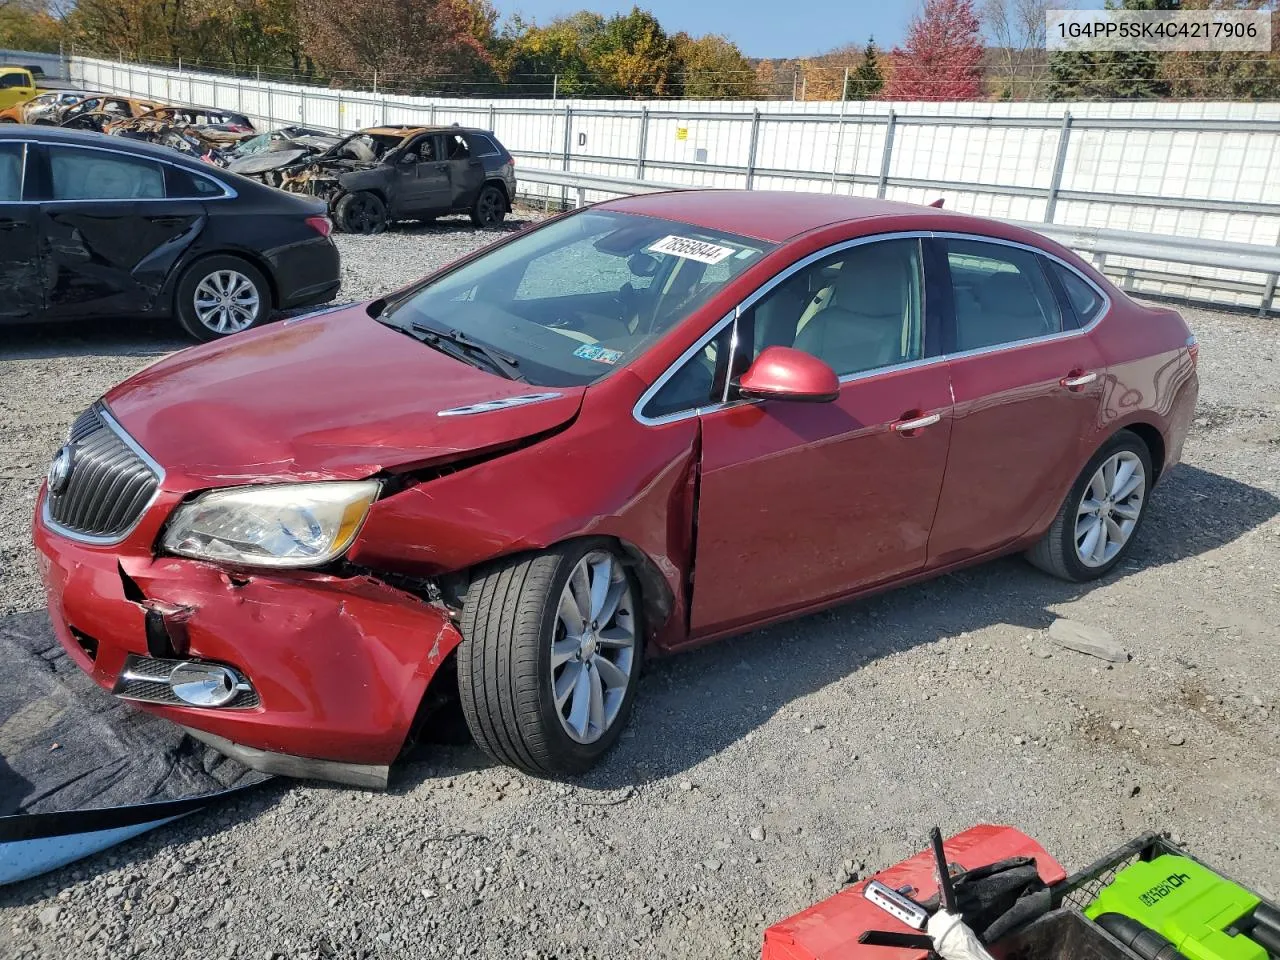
490	207
1100	517
361	212
551	656
220	296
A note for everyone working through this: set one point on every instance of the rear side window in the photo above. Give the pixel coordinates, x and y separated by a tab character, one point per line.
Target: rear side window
1084	298
185	184
102	175
1001	294
482	146
457	147
10	172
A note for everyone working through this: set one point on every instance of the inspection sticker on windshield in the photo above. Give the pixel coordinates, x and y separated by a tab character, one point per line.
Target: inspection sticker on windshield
698	250
589	351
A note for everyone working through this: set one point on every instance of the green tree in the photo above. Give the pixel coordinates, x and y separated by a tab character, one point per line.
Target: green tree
1110	75
27	25
633	56
867	79
712	68
536	58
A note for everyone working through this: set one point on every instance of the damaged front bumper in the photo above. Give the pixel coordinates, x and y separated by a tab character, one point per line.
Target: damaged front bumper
333	668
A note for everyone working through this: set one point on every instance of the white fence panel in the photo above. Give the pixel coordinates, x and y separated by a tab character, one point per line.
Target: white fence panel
1207	170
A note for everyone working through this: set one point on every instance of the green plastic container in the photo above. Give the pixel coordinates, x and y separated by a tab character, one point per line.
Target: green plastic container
1187	903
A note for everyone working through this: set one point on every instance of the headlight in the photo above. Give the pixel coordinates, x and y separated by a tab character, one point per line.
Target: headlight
284	525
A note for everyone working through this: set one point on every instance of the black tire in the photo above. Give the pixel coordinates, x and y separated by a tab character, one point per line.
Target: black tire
490	207
184	307
1056	552
360	212
505	675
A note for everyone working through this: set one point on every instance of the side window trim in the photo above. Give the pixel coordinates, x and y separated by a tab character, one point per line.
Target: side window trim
36	149
939	311
1078	330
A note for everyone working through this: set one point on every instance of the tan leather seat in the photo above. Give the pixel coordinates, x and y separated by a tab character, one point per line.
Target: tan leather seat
862	326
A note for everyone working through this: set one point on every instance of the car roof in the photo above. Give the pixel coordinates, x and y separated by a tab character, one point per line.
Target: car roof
409	130
771	215
91	138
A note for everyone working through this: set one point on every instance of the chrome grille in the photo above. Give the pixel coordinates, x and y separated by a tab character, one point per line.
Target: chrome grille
147	678
110	483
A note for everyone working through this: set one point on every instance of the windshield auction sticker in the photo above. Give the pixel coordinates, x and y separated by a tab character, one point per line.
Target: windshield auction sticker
1092	31
699	250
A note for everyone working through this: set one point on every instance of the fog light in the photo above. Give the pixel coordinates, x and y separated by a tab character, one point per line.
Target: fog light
205	684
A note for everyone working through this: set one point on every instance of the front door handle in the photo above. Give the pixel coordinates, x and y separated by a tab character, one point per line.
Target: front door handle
916	423
1075	380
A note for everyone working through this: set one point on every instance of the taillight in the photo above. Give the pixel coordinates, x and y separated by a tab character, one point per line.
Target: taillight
1193	348
320	224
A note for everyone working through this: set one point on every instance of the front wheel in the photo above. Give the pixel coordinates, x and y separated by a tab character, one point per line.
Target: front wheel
219	296
490	207
551	656
1100	517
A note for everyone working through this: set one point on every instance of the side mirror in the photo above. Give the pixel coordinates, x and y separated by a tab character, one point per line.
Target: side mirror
784	373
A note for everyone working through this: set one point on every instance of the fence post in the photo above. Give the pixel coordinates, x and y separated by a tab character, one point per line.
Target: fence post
340	126
844	102
887	159
240	95
644	142
493	121
271	105
432	114
1059	165
1268	295
751	148
568	143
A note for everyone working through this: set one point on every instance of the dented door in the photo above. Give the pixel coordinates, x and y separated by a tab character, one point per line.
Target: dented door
108	235
19	260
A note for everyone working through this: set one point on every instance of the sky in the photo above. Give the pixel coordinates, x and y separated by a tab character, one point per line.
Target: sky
760	28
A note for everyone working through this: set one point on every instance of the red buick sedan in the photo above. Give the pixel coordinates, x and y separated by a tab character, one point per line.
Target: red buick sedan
639	427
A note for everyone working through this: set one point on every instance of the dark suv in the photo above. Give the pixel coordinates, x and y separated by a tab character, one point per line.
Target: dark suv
401	173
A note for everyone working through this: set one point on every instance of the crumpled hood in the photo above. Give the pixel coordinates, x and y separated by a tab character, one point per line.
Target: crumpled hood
333	396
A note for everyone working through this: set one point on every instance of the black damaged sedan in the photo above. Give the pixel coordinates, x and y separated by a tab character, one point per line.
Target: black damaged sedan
95	227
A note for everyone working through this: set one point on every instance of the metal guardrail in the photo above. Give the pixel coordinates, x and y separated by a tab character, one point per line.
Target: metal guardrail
1098	243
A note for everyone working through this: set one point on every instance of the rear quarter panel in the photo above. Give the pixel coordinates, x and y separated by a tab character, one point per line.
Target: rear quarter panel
1151	377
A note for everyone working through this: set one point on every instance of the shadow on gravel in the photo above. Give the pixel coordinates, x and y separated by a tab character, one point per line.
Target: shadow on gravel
452	225
696	704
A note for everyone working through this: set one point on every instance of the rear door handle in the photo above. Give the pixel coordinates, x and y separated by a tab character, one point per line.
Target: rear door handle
1074	380
917	423
169	221
12	224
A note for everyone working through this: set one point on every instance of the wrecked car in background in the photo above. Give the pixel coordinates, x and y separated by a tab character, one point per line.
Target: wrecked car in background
262	157
43	109
642	426
192	130
99	111
400	173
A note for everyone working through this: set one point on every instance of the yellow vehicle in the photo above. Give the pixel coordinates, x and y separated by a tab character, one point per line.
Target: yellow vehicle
17	85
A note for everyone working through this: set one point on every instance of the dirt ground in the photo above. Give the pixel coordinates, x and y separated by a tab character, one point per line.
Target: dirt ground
838	739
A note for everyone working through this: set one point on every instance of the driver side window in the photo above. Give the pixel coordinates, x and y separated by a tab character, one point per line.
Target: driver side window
856	310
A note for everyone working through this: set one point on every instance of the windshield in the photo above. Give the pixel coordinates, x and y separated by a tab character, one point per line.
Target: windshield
582	296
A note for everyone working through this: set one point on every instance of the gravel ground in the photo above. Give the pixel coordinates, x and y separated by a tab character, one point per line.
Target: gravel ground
758	775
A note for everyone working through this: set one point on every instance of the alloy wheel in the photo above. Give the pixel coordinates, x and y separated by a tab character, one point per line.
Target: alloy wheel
490	203
1109	508
226	301
593	646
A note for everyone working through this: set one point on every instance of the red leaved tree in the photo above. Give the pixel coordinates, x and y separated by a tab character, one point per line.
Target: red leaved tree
942	59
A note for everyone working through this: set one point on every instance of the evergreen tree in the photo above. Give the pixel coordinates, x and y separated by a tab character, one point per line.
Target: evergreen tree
867	80
1110	75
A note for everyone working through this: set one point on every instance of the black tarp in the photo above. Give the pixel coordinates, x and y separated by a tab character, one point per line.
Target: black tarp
81	770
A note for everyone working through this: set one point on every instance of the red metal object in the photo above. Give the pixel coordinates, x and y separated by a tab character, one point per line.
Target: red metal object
829	930
785	373
798	506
